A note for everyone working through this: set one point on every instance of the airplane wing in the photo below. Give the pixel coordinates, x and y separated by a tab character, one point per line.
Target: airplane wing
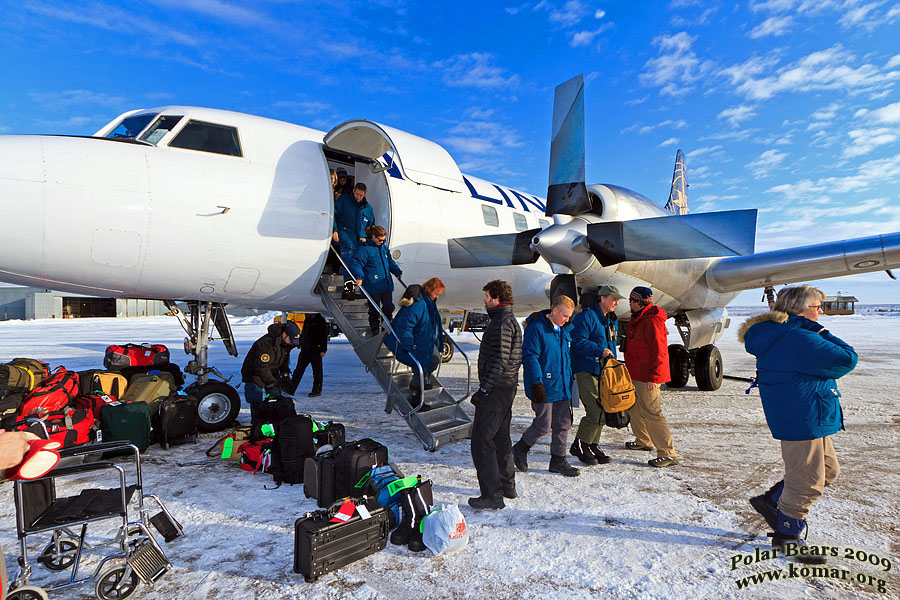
806	263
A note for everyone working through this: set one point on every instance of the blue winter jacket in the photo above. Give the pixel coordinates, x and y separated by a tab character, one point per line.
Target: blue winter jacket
592	333
351	219
374	264
546	358
797	368
414	333
435	316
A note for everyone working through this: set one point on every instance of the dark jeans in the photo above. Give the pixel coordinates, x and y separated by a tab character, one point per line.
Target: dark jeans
253	394
491	444
386	301
347	257
308	356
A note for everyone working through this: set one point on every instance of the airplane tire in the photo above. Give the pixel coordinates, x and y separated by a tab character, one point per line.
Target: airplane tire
679	366
218	405
446	349
708	369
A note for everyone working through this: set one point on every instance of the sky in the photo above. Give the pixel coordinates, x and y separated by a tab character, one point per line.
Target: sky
788	106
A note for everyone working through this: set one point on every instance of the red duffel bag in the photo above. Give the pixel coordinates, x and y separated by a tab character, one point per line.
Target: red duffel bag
135	355
70	427
54	393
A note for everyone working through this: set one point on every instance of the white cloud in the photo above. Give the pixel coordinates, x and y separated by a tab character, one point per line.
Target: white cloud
669	142
569	15
475	70
599	14
585	38
645	129
767	162
893	62
736	114
864	141
861	16
224	11
879	171
482	138
676	67
885	114
772	26
309	107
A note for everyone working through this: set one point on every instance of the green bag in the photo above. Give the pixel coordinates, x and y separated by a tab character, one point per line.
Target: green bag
126	422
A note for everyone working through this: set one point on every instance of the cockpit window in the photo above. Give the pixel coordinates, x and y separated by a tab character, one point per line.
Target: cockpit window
163	125
208	137
130	127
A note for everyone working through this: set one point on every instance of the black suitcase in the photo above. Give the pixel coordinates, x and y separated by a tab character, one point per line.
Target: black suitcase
322	546
331	434
294	443
274	412
353	461
318	478
175	421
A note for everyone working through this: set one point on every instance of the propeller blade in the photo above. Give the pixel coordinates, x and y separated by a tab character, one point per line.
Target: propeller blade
725	233
567	194
499	250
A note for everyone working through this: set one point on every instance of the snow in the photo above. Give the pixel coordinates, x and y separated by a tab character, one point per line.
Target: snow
622	530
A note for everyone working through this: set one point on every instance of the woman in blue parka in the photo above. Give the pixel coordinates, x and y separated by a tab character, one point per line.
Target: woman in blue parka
547	375
374	264
416	331
797	362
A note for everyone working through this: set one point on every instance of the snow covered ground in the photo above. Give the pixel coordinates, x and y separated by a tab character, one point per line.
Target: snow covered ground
623	530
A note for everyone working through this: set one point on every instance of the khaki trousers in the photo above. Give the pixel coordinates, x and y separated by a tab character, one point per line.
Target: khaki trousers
590	426
648	424
809	466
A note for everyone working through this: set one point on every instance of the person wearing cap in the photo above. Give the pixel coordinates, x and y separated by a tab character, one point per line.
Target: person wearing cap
343	183
353	215
647	359
547	376
594	333
266	369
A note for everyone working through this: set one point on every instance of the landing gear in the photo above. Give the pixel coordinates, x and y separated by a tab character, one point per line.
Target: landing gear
705	363
446	349
218	402
708	368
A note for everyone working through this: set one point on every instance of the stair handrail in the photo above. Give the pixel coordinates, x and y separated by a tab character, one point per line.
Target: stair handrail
461	351
387	324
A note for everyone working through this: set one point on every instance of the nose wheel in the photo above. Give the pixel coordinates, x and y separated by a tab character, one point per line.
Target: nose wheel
218	405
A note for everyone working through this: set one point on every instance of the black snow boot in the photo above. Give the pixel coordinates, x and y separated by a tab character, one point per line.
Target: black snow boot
417	506
492	501
767	504
520	455
582	452
788	533
404	531
510	492
601	457
558	464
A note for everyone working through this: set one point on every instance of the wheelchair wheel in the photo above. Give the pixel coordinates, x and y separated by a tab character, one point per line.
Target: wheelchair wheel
114	585
27	592
58	558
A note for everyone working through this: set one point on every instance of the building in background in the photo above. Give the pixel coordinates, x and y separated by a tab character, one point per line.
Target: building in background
839	305
18	302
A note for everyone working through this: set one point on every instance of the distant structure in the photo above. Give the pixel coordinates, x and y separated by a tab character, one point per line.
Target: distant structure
839	305
18	302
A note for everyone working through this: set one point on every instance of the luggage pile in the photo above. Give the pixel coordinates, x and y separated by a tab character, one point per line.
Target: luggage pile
137	398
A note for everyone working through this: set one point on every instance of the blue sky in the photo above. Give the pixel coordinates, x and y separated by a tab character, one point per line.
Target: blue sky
788	106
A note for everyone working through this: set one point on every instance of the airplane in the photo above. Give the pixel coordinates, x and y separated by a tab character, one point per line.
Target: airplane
209	208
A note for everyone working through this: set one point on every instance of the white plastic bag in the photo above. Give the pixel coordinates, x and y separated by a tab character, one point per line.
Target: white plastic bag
444	529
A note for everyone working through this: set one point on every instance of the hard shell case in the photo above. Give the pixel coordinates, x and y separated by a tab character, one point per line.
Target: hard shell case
321	546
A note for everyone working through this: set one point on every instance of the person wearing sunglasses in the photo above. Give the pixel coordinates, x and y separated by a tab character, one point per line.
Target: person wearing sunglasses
374	261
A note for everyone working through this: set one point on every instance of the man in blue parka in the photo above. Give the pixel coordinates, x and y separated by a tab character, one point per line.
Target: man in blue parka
594	333
547	375
373	263
797	362
352	215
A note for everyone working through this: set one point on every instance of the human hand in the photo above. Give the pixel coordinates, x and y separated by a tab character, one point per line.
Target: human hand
13	447
322	354
334	236
606	353
538	393
359	282
652	386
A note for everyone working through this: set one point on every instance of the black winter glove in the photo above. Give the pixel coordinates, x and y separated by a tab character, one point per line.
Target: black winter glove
286	386
273	392
478	397
538	393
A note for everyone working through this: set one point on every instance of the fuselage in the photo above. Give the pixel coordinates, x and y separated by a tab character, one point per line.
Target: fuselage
189	203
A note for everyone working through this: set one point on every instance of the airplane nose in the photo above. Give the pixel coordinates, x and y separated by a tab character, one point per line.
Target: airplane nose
22	180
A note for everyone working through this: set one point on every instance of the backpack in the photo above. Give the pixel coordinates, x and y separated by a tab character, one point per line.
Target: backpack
256	456
292	445
615	387
382	484
107	382
39	370
53	394
135	355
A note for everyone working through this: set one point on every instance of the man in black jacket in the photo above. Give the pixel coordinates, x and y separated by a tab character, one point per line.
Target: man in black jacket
499	359
266	368
313	346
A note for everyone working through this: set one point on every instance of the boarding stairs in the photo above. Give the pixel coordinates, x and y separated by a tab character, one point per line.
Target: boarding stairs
434	415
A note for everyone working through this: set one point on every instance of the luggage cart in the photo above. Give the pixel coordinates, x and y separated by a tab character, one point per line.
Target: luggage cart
135	556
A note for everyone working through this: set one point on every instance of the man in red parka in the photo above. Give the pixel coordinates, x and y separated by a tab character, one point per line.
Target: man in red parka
647	359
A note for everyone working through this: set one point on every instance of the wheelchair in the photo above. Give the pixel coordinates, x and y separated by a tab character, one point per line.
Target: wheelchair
134	555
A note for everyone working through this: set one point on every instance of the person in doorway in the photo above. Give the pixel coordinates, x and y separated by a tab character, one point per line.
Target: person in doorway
499	359
547	375
353	215
373	263
798	362
343	184
313	346
266	369
647	359
594	333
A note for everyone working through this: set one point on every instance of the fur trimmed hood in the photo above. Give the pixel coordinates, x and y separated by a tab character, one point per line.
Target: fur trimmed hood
775	316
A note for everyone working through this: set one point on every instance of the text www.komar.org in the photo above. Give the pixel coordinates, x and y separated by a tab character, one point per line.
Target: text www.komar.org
797	571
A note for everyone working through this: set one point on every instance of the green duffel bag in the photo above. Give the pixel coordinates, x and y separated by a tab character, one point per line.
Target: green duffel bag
39	370
129	422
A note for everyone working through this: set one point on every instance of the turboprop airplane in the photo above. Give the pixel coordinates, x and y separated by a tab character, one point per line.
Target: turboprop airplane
207	207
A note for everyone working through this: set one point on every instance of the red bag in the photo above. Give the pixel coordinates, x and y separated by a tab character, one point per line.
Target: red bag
53	394
256	456
135	355
93	403
70	427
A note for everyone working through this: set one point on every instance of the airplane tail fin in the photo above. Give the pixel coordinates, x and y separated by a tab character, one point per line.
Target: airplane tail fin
678	199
